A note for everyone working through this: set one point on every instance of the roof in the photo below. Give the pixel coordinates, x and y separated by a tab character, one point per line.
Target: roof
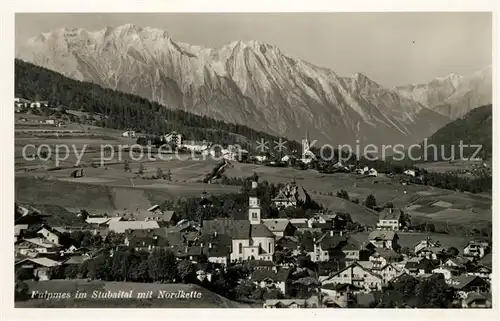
328	241
390	214
352	265
77	259
281	197
463	280
276	224
285	302
181	251
40	242
122	226
340	286
236	229
260	263
288	242
168	215
41	261
387	253
298	220
260	230
383	235
97	220
473	296
219	251
154	208
434	249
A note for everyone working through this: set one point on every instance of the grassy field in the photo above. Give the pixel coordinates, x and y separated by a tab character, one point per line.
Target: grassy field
208	299
109	188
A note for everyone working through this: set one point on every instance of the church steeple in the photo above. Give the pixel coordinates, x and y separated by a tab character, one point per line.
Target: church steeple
253	204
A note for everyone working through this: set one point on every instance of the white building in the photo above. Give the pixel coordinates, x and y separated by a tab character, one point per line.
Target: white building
307	155
129	133
372	172
196	146
174	138
410	172
389	219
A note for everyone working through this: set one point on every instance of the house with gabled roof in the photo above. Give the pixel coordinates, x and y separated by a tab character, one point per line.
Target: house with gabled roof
35	246
40	267
279	226
356	251
469	283
390	219
328	246
270	279
382	256
476	249
426	243
357	275
383	239
418	266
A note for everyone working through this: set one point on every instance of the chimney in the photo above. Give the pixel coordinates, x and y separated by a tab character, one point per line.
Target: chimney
390	210
186	249
314	239
331	232
340	233
209	245
201	244
215	234
254	184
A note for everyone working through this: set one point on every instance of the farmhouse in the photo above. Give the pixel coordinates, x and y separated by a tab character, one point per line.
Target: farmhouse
355	251
383	239
390	219
356	275
280	226
469	283
38	267
447	271
34	246
328	246
425	244
476	249
129	133
174	138
270	279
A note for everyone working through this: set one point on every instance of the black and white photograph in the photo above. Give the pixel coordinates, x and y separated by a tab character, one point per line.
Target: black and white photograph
312	160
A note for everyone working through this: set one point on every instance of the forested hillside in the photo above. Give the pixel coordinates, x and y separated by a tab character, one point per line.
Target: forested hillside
472	129
125	110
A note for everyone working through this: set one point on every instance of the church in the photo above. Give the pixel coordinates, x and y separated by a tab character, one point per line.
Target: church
250	239
307	154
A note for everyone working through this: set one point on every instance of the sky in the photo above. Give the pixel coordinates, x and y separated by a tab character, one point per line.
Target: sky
390	48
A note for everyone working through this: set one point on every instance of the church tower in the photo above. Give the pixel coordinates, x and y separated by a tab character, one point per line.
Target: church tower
253	204
305	145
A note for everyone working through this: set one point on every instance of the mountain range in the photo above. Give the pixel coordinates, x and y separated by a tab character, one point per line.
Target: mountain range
257	85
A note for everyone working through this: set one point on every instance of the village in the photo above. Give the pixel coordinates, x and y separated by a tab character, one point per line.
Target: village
331	270
301	256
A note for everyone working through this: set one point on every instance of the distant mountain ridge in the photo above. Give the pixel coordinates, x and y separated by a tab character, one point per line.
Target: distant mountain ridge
453	96
243	82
